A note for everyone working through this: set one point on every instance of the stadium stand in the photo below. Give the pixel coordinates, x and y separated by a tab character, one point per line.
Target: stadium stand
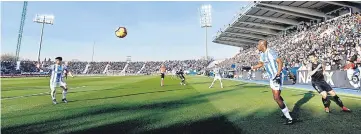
78	67
294	29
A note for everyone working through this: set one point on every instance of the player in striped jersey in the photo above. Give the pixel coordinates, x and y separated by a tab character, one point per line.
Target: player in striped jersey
273	65
217	76
56	78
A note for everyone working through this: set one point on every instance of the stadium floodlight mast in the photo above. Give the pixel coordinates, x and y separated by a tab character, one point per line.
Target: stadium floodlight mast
206	21
43	19
93	52
129	59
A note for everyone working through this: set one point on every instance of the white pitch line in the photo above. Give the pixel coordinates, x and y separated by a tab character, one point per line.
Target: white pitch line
23	96
15	97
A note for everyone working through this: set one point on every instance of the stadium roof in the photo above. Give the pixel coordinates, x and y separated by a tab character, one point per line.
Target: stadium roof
263	19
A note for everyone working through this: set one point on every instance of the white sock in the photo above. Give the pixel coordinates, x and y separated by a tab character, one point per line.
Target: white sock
52	93
286	112
221	84
53	96
64	94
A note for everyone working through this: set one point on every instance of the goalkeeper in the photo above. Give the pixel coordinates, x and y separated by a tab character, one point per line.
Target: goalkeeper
273	64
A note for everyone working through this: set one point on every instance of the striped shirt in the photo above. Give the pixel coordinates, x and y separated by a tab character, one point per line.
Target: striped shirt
269	58
217	71
57	72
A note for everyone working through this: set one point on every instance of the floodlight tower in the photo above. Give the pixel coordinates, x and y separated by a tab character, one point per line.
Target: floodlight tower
43	19
20	34
206	21
93	52
129	59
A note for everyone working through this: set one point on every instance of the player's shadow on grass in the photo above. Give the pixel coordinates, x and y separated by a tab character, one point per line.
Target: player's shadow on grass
297	108
125	108
215	124
151	113
218	124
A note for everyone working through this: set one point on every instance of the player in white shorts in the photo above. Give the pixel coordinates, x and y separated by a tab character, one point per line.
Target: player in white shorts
57	79
217	76
273	65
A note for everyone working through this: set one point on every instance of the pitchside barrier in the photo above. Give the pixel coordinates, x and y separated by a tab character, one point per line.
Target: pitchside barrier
337	78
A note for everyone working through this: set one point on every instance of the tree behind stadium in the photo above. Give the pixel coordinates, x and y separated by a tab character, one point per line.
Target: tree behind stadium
8	57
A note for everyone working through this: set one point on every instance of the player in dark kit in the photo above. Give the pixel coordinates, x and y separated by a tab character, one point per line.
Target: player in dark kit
177	74
316	71
180	74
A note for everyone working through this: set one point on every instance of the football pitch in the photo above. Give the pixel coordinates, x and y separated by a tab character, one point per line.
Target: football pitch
137	104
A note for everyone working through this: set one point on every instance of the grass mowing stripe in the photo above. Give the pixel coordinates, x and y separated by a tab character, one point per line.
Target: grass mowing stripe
140	105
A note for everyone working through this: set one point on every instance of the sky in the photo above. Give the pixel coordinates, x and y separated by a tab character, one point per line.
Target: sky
157	31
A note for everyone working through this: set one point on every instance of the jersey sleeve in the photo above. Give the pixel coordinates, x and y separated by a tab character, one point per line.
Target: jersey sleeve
261	57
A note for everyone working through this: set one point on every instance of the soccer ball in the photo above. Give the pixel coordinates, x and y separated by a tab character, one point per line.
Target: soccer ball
121	32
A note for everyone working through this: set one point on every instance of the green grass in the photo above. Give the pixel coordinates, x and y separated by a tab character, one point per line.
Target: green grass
137	104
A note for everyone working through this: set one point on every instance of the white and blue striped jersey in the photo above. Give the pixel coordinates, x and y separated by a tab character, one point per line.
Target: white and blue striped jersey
57	72
216	71
269	58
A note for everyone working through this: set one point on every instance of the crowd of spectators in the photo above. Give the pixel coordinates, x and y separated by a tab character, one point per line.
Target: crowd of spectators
117	65
78	67
96	67
336	42
7	66
134	67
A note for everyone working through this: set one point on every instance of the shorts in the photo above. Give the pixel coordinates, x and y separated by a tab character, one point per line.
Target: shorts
274	85
56	84
162	75
321	86
217	78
